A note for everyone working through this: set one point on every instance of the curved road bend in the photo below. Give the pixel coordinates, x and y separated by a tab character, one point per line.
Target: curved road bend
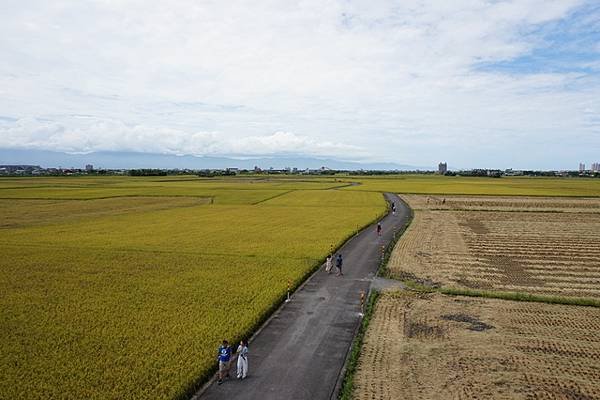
300	352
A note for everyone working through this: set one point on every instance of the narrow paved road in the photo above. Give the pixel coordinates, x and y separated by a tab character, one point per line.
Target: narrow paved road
300	352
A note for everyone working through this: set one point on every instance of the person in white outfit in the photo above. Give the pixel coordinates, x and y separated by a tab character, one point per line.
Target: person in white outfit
328	264
242	361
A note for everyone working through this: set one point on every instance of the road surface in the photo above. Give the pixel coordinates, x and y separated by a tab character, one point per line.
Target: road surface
300	352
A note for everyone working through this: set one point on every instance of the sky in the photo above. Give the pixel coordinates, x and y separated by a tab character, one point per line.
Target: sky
479	84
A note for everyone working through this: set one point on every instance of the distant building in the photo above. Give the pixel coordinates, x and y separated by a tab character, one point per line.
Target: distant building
581	167
442	168
19	169
89	168
596	167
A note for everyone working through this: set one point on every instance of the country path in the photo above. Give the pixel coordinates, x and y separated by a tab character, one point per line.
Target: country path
300	352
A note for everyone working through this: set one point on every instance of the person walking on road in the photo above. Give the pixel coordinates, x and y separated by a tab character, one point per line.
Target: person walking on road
242	361
393	208
338	264
328	264
379	229
224	355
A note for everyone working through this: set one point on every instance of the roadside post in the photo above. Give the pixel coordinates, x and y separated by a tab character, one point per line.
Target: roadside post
288	291
362	303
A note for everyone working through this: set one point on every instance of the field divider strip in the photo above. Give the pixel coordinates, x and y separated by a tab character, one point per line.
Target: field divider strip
273	197
108	197
501	295
154	251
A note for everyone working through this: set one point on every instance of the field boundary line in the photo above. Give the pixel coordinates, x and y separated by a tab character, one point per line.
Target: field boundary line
101	249
502	295
273	197
564	196
563	211
108	197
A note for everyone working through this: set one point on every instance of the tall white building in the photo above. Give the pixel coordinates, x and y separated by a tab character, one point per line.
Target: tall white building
581	167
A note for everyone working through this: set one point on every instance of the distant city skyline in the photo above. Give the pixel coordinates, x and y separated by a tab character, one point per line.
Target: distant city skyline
120	160
481	84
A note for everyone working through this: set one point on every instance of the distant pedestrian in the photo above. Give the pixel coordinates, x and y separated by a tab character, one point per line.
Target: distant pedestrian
328	264
338	264
393	208
379	229
242	361
224	356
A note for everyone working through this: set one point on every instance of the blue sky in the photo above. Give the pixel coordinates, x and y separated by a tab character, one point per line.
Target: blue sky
475	83
569	44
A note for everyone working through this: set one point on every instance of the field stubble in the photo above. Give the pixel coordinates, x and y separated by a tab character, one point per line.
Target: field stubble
553	253
431	346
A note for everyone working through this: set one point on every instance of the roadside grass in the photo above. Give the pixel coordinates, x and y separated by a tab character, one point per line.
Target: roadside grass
348	382
513	296
387	252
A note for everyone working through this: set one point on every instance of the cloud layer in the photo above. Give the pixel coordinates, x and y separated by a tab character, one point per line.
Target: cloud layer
108	135
410	82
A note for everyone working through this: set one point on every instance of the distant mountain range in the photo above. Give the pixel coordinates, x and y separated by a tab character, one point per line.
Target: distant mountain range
130	160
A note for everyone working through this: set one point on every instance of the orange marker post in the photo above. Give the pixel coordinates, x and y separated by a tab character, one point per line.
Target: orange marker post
362	302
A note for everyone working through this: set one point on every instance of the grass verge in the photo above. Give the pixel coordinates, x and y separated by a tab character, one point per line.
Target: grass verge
519	296
513	296
348	382
383	270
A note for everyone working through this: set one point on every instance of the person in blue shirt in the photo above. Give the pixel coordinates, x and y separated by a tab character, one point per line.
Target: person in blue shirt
224	356
338	264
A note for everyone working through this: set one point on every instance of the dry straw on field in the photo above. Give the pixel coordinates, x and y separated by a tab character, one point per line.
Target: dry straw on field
502	203
554	253
439	347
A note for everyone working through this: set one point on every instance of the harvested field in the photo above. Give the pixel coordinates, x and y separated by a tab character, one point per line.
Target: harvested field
504	203
534	252
438	347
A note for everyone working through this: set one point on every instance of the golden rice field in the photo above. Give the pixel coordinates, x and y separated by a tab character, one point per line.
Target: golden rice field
438	347
123	287
455	185
543	246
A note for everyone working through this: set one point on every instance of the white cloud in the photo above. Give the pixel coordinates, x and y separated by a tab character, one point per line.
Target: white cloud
377	80
108	135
